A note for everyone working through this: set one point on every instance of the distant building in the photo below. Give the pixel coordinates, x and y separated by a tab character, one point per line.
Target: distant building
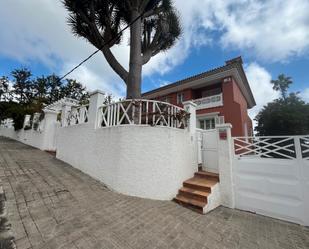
222	95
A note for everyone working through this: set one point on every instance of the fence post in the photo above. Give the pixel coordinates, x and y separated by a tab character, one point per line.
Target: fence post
225	163
297	148
66	108
96	100
36	117
26	120
190	107
50	124
199	148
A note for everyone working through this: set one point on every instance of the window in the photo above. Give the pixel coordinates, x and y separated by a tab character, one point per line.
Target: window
180	98
208	124
211	92
166	99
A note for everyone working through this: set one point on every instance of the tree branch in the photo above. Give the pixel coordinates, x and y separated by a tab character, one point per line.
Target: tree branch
153	48
152	12
147	56
115	65
143	5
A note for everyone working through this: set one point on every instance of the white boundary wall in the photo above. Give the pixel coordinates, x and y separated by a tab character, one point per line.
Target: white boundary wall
277	186
273	187
43	138
143	161
150	161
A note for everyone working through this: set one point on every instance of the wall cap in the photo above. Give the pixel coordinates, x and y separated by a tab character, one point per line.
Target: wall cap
189	102
96	92
50	112
227	125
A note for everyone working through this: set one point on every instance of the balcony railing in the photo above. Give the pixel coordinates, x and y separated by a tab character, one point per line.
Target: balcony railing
209	102
142	112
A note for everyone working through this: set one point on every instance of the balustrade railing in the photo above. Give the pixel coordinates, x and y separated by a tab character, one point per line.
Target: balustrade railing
278	147
142	112
304	144
209	102
78	115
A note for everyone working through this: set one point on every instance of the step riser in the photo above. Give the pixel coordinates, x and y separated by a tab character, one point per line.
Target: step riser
193	196
197	187
192	207
216	178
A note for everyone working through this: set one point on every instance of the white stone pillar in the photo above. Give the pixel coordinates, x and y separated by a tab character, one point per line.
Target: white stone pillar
225	161
65	114
190	107
96	100
50	125
36	117
26	120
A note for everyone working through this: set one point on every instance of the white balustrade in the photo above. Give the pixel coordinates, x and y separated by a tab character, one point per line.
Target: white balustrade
209	102
78	115
142	112
304	144
279	147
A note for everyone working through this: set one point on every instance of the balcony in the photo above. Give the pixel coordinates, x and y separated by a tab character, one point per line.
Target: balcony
209	102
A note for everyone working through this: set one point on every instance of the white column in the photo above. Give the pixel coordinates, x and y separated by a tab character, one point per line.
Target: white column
26	120
225	161
50	126
190	107
66	108
199	148
36	117
96	100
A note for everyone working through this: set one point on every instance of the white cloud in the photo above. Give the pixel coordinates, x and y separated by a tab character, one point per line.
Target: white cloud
44	36
305	95
273	30
36	30
259	79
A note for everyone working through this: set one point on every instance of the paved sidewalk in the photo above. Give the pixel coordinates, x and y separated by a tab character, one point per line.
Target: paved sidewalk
52	205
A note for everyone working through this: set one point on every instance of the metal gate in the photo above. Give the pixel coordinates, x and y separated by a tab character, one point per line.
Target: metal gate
271	176
208	149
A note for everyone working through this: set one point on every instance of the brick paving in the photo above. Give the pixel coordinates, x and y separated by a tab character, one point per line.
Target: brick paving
52	205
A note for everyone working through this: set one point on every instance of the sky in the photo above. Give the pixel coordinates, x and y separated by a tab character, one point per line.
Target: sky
272	36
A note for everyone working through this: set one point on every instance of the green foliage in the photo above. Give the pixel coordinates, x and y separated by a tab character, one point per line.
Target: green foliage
282	84
74	90
14	110
22	85
4	88
288	116
30	95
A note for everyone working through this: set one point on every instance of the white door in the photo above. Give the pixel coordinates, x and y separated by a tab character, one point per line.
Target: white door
209	149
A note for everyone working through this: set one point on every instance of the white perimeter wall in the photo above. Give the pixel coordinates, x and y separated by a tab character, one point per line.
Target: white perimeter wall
143	161
274	187
44	140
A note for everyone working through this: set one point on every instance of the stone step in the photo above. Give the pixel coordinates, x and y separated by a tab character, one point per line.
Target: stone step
201	184
194	194
190	203
207	175
196	190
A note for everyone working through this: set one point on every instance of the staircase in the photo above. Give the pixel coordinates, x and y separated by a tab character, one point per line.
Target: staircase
200	193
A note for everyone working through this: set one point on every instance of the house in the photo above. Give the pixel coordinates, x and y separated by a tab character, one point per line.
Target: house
222	95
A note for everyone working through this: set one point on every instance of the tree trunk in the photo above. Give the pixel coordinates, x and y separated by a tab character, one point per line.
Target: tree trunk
135	69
